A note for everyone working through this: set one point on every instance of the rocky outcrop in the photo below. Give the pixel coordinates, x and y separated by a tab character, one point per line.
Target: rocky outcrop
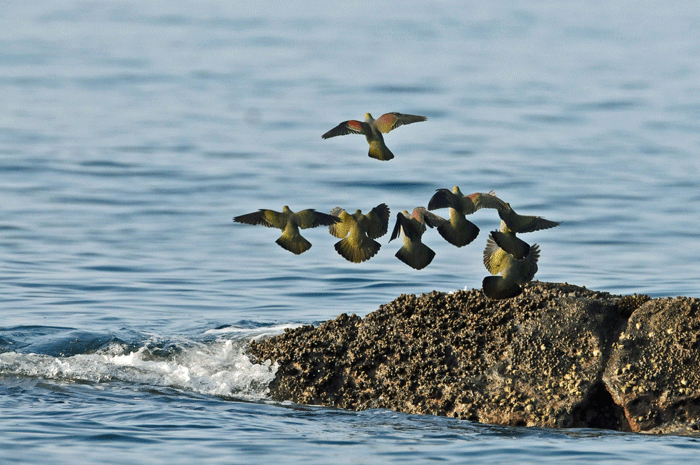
654	371
556	356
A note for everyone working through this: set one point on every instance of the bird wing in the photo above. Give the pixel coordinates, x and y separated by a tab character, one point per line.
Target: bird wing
397	226
348	127
533	223
494	257
393	120
377	221
442	198
269	218
409	225
430	218
513	245
532	258
480	200
310	218
343	226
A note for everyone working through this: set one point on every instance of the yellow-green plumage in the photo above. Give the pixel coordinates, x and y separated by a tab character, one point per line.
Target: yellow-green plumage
459	231
513	272
414	252
372	130
358	232
522	223
290	223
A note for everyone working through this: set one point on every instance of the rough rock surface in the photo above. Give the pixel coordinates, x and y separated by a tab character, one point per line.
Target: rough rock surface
653	372
556	356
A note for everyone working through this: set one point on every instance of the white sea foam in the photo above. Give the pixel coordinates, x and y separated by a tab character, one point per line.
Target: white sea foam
218	368
252	333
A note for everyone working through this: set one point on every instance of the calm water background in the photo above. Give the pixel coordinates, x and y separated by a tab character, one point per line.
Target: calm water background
132	132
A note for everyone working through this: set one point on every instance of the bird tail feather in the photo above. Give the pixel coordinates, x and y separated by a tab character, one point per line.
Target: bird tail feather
296	245
497	287
366	250
380	152
459	236
418	257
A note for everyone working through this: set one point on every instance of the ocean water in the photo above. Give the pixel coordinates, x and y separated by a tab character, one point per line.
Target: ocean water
132	132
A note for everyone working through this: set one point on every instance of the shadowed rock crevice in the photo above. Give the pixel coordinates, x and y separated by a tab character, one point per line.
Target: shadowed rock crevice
599	410
556	356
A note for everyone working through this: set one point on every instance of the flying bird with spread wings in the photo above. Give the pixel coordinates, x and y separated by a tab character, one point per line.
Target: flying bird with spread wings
358	232
290	223
414	252
459	231
372	129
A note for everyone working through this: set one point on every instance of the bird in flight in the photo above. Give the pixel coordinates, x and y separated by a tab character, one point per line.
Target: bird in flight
414	252
459	231
513	272
373	129
508	241
358	232
290	223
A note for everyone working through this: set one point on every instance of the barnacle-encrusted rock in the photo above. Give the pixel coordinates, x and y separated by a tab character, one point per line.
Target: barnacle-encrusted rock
536	360
654	370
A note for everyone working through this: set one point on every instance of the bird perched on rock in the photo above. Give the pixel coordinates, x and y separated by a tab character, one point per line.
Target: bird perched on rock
521	223
513	272
412	226
460	231
289	222
361	230
373	129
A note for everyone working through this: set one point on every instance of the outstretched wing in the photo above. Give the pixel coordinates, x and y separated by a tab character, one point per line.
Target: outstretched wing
344	224
269	218
442	198
495	258
524	223
378	221
348	127
481	200
431	219
310	218
393	120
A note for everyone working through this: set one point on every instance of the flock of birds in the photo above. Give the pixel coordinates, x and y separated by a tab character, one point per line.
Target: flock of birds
510	260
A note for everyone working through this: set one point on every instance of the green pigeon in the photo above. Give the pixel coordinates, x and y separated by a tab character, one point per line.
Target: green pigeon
373	129
290	223
412	226
459	231
358	232
513	272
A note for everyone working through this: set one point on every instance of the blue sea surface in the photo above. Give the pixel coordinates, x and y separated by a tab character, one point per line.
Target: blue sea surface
132	132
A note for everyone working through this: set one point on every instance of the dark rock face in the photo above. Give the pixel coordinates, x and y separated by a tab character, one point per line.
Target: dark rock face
653	372
556	356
